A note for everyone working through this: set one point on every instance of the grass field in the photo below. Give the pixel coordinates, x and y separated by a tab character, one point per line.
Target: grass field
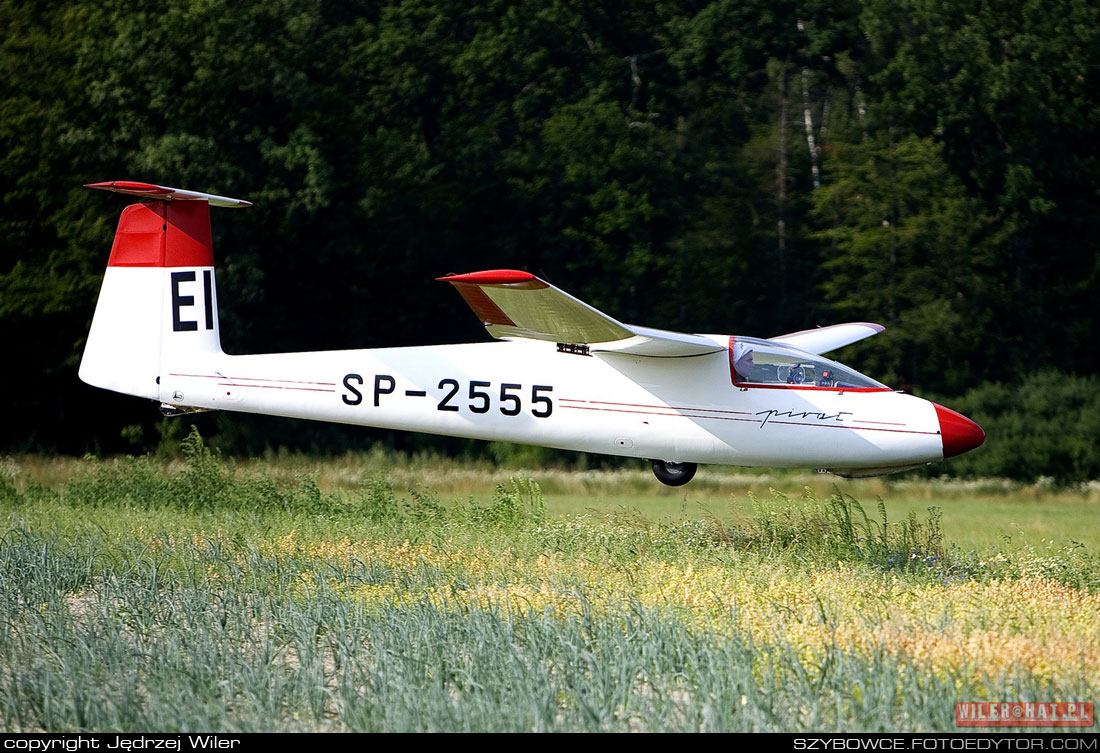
378	593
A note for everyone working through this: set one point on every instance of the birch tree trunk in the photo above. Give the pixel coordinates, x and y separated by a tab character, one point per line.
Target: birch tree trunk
808	117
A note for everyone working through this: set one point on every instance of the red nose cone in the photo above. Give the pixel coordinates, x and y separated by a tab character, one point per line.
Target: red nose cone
959	433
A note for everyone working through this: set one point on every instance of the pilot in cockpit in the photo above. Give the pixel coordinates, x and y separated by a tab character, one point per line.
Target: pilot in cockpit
742	361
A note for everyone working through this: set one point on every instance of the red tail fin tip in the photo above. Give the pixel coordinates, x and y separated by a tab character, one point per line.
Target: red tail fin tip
164	234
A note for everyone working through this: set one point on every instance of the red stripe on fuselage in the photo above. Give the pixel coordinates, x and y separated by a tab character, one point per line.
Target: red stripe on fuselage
643	405
273	387
252	379
755	420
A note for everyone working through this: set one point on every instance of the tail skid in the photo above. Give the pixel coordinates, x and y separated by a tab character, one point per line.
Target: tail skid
158	302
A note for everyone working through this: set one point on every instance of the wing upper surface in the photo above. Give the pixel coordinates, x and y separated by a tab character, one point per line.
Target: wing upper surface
824	339
511	303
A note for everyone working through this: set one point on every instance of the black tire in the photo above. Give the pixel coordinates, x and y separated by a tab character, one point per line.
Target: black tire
673	474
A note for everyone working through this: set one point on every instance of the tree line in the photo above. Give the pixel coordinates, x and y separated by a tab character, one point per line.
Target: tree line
742	166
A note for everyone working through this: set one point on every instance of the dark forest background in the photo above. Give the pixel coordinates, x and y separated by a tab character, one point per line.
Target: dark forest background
742	166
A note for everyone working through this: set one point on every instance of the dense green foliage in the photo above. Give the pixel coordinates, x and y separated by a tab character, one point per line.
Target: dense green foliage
1054	438
726	166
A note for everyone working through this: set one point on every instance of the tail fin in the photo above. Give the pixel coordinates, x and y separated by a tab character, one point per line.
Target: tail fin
158	300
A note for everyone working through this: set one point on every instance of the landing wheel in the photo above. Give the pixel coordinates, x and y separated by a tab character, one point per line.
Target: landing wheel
673	474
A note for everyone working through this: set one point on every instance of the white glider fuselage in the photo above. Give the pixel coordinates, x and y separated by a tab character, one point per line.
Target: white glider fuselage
685	409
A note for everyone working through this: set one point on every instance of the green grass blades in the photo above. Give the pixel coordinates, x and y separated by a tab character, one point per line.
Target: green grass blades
142	596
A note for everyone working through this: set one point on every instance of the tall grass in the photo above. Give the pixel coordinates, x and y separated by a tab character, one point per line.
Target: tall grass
841	529
258	644
207	598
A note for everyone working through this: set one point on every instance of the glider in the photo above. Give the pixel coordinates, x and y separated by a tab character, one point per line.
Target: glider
560	373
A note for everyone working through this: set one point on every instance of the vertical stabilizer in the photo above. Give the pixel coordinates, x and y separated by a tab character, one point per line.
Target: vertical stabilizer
158	301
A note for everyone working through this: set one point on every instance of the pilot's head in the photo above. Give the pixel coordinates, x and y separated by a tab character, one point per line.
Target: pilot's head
742	360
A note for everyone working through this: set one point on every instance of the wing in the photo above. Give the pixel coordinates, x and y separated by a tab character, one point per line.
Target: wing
517	304
824	339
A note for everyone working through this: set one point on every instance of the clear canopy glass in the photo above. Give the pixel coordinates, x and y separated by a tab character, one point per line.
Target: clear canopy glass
769	363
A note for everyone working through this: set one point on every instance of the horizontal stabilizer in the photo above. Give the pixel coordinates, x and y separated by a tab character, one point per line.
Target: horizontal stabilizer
824	339
511	303
165	193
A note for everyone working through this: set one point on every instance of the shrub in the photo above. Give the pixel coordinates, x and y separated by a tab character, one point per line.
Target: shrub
1048	425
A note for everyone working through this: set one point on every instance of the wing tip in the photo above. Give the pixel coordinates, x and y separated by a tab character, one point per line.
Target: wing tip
878	328
491	277
130	186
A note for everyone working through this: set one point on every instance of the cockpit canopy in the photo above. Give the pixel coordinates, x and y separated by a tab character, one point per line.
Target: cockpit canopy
767	363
